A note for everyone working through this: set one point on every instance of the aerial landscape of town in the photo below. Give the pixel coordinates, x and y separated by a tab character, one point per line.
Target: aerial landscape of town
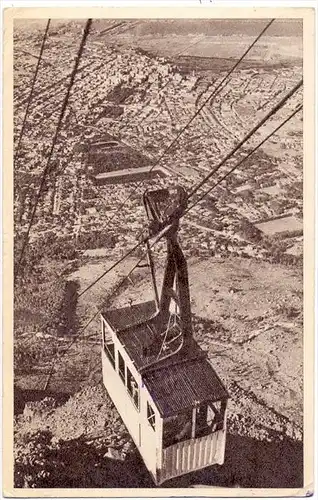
138	84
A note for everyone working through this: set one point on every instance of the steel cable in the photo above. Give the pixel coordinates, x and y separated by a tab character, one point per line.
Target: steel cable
246	157
274	110
211	95
16	156
76	338
58	128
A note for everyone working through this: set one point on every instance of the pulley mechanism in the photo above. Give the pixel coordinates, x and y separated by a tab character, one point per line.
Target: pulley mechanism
164	207
173	325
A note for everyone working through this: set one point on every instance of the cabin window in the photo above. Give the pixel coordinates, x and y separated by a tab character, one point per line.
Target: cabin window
133	388
151	416
107	337
177	428
104	331
210	418
215	416
121	367
194	423
110	352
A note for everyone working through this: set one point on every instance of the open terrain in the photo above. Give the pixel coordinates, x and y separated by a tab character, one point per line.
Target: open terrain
137	90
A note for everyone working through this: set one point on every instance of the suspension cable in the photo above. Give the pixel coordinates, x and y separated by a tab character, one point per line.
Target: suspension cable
299	107
196	188
212	94
110	28
65	78
117	287
58	128
274	110
32	89
111	268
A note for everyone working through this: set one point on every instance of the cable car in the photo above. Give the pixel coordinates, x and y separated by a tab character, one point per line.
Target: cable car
166	391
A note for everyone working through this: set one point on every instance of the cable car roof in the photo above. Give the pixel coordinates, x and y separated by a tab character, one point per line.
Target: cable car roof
131	325
128	316
182	385
175	384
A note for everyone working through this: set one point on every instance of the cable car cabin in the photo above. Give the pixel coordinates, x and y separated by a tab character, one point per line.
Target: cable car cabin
166	391
175	410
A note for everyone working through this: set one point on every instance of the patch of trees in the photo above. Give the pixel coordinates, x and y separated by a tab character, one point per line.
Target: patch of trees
276	247
248	231
28	355
40	290
111	112
275	243
286	259
89	193
289	234
46	248
81	148
96	239
38	295
109	161
119	93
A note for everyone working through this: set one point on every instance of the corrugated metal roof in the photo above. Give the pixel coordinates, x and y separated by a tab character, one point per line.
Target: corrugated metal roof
175	383
125	317
137	332
136	340
179	386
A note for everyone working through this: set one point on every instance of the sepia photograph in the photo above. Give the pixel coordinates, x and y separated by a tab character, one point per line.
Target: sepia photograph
158	321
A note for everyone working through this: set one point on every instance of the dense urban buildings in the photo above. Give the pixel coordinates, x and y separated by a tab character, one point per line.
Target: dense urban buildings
143	102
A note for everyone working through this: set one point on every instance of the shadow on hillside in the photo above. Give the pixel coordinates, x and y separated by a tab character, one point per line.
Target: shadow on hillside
248	464
22	396
43	462
252	464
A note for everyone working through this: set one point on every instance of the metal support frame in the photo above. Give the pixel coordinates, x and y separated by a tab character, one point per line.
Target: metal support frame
164	208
